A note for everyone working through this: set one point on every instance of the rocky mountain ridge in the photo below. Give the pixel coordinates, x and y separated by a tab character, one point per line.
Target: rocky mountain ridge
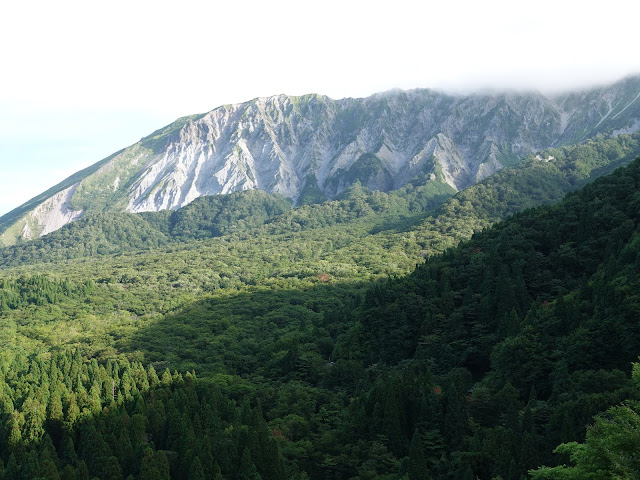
312	147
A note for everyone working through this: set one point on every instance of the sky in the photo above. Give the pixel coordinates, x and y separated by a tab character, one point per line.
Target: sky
80	80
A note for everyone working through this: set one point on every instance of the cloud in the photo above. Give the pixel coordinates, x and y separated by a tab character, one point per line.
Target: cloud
84	79
193	57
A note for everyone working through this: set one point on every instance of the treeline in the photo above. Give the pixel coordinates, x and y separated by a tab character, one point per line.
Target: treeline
423	212
68	417
38	290
209	217
112	233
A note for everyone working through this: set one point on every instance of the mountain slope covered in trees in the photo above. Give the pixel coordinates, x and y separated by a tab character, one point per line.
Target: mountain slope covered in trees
423	217
536	318
290	343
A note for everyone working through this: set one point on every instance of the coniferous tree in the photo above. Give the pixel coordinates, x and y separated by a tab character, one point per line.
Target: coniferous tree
417	467
152	376
148	466
196	472
12	471
68	473
68	453
112	470
528	455
93	449
163	465
247	470
31	467
263	447
454	418
514	473
393	418
14	424
55	416
217	472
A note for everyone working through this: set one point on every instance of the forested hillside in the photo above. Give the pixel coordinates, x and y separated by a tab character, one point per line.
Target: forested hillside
536	318
407	217
241	338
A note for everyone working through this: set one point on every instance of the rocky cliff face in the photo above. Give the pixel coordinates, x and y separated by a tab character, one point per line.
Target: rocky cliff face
285	144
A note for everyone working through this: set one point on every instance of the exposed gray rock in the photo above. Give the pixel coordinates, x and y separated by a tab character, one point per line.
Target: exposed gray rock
277	143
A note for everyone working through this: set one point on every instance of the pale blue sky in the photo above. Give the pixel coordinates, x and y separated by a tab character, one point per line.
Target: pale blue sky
41	147
80	80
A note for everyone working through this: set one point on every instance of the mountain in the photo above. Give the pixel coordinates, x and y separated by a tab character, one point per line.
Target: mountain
420	219
294	353
311	148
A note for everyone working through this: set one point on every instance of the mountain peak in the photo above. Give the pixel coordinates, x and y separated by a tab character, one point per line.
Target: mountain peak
286	144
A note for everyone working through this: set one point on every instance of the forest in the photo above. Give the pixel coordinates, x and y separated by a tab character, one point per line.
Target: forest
416	334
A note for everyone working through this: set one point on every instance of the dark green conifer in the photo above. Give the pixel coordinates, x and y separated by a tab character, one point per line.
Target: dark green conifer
247	470
196	472
82	471
31	467
163	465
12	472
148	466
417	468
152	376
68	453
217	472
112	470
68	473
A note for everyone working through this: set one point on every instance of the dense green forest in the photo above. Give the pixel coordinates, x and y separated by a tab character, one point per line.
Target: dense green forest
242	338
422	217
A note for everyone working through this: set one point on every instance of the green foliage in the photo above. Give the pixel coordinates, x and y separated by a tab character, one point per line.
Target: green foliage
609	450
103	189
544	301
213	216
417	467
533	182
311	193
109	233
316	355
366	167
159	139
